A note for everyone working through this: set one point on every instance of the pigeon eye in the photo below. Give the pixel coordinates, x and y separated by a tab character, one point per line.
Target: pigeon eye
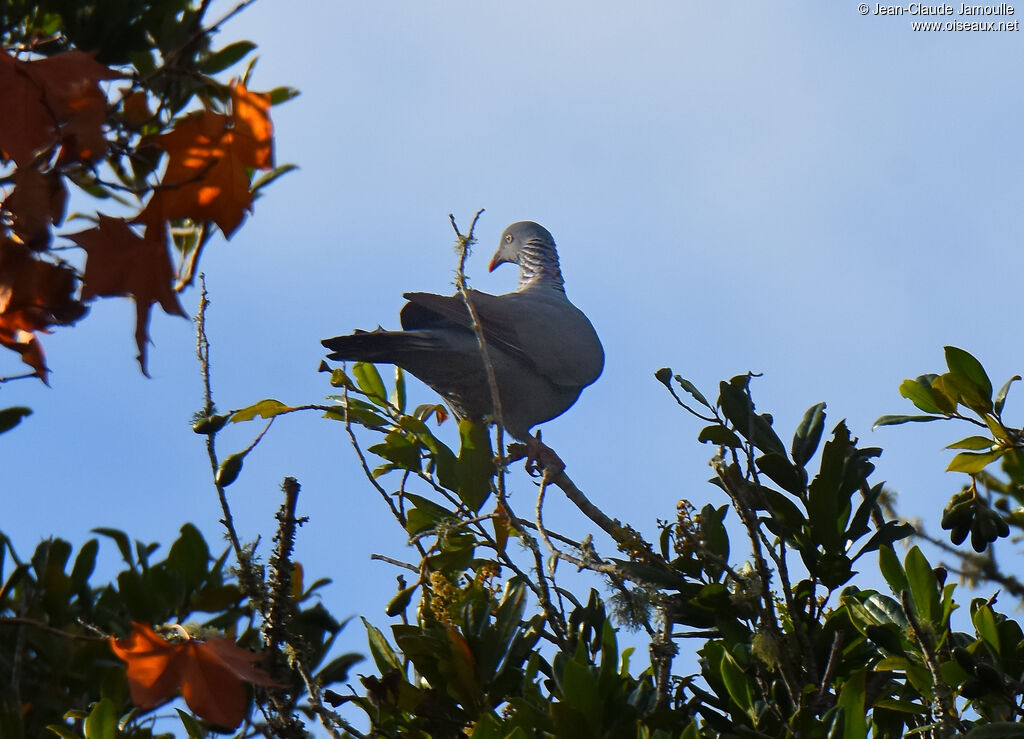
508	238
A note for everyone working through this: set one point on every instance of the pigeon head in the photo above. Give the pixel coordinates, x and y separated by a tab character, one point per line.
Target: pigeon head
532	247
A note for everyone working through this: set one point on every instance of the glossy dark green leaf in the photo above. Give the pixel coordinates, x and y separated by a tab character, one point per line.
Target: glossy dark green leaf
720	435
852	702
964	363
825	495
85	563
475	465
1000	400
808	434
383	655
11	417
189	556
784	510
398	449
230	54
192	727
897	420
924	587
737	683
120	538
400	602
369	381
887	535
784	473
754	427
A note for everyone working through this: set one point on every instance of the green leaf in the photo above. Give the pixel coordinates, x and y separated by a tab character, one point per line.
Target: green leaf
985	622
889	533
720	435
752	426
972	463
85	563
693	391
919	393
400	602
282	95
189	556
960	361
808	434
268	177
973	442
784	510
230	54
736	683
368	379
962	390
475	465
120	538
63	731
1001	395
784	473
192	727
267	408
398	394
101	723
383	655
924	587
11	417
897	420
851	699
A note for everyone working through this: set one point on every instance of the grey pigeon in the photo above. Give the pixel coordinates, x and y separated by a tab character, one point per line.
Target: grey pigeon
543	349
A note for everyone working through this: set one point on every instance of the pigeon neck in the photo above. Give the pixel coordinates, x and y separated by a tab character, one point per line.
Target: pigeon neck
538	266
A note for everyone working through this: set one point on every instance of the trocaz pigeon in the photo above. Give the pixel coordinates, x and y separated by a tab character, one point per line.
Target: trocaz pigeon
543	349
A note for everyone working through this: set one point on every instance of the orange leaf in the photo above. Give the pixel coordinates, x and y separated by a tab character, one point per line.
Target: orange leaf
209	155
211	673
37	201
57	99
252	128
34	295
121	263
154	665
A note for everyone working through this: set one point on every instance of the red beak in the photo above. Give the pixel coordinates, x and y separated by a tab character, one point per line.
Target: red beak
495	261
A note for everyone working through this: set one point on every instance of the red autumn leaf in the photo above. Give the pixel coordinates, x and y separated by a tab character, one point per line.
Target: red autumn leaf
70	82
210	673
37	201
34	295
50	101
209	155
27	125
119	262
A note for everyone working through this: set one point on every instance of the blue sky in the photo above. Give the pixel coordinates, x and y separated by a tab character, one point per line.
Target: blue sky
790	188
